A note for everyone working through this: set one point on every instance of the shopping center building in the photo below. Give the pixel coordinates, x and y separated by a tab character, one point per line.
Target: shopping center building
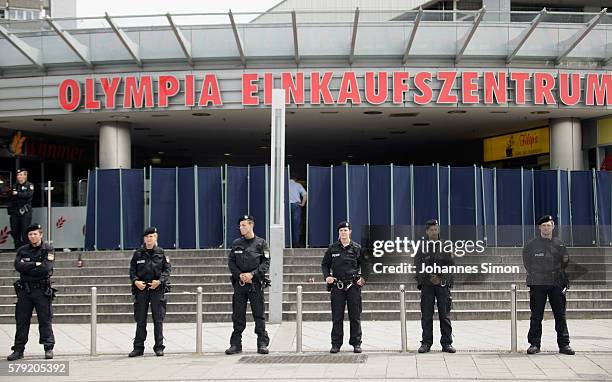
504	84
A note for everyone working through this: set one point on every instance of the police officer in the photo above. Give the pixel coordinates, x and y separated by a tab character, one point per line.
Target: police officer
150	275
249	261
345	272
434	286
34	262
20	208
545	259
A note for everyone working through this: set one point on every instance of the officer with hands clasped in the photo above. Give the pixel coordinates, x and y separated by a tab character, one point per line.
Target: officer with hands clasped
150	275
345	272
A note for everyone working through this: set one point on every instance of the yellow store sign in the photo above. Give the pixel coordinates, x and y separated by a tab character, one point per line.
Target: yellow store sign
521	144
604	131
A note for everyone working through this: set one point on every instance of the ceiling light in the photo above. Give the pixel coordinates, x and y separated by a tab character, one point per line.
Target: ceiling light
403	115
420	124
200	114
457	112
227	154
328	112
159	115
372	112
43	119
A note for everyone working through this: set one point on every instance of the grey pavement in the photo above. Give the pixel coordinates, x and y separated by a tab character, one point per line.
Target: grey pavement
483	353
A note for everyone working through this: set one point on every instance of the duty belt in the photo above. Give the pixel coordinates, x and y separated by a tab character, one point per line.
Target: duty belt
38	284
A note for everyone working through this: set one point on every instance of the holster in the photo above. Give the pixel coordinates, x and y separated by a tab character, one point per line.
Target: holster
18	287
166	287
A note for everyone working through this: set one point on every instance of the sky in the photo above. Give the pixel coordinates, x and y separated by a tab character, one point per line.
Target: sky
87	8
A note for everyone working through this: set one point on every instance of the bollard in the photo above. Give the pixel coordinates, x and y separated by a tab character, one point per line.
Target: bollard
298	321
199	321
513	318
49	226
94	320
402	296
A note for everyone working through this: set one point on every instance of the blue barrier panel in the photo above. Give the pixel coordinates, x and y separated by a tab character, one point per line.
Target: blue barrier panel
545	194
288	243
109	222
237	200
339	198
163	205
463	203
380	195
529	218
90	220
319	206
402	209
583	214
479	205
444	182
186	208
509	207
488	205
604	207
358	200
425	196
210	202
258	199
563	227
133	207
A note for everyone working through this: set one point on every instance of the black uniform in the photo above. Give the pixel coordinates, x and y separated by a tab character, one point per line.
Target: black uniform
249	256
20	212
430	293
545	261
34	292
347	265
148	265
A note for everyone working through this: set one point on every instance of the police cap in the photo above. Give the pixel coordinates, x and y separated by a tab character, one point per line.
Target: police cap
149	231
343	224
431	222
545	219
246	217
21	170
33	227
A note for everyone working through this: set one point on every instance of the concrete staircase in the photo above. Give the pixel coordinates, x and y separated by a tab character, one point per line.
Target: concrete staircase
474	297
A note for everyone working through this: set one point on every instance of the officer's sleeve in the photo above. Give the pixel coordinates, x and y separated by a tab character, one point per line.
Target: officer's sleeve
46	267
264	265
564	256
527	258
364	263
418	261
28	193
231	262
165	273
326	264
133	276
23	266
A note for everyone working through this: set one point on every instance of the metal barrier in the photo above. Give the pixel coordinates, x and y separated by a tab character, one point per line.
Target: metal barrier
298	320
94	321
513	318
402	296
199	321
49	226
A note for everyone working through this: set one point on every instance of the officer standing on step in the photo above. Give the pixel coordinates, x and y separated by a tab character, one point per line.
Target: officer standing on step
545	259
20	208
34	262
249	261
434	286
150	275
345	272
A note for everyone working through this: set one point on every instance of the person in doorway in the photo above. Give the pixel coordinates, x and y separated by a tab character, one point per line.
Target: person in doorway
20	208
297	199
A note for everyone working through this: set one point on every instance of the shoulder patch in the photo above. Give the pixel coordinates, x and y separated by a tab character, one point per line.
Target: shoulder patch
267	254
50	256
167	259
32	187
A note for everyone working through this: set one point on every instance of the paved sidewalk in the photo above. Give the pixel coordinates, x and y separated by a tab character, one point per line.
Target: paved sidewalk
483	353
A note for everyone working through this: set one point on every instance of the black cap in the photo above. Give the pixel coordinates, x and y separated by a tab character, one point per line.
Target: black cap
545	219
246	217
21	170
431	222
149	231
33	227
343	224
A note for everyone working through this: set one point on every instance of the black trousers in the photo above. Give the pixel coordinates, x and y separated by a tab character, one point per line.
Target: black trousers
157	299
26	303
429	295
537	302
253	294
350	298
19	224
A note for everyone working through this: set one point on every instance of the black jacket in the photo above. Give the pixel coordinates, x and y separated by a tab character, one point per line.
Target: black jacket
150	264
24	195
344	263
545	261
28	256
249	256
435	255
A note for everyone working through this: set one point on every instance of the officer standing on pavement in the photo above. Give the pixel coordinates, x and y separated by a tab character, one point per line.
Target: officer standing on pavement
249	261
545	259
345	272
20	208
150	275
434	286
34	262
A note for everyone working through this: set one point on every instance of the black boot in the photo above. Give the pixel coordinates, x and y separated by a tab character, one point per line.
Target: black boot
136	353
424	348
566	350
233	350
49	354
15	356
262	350
357	349
334	349
533	349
